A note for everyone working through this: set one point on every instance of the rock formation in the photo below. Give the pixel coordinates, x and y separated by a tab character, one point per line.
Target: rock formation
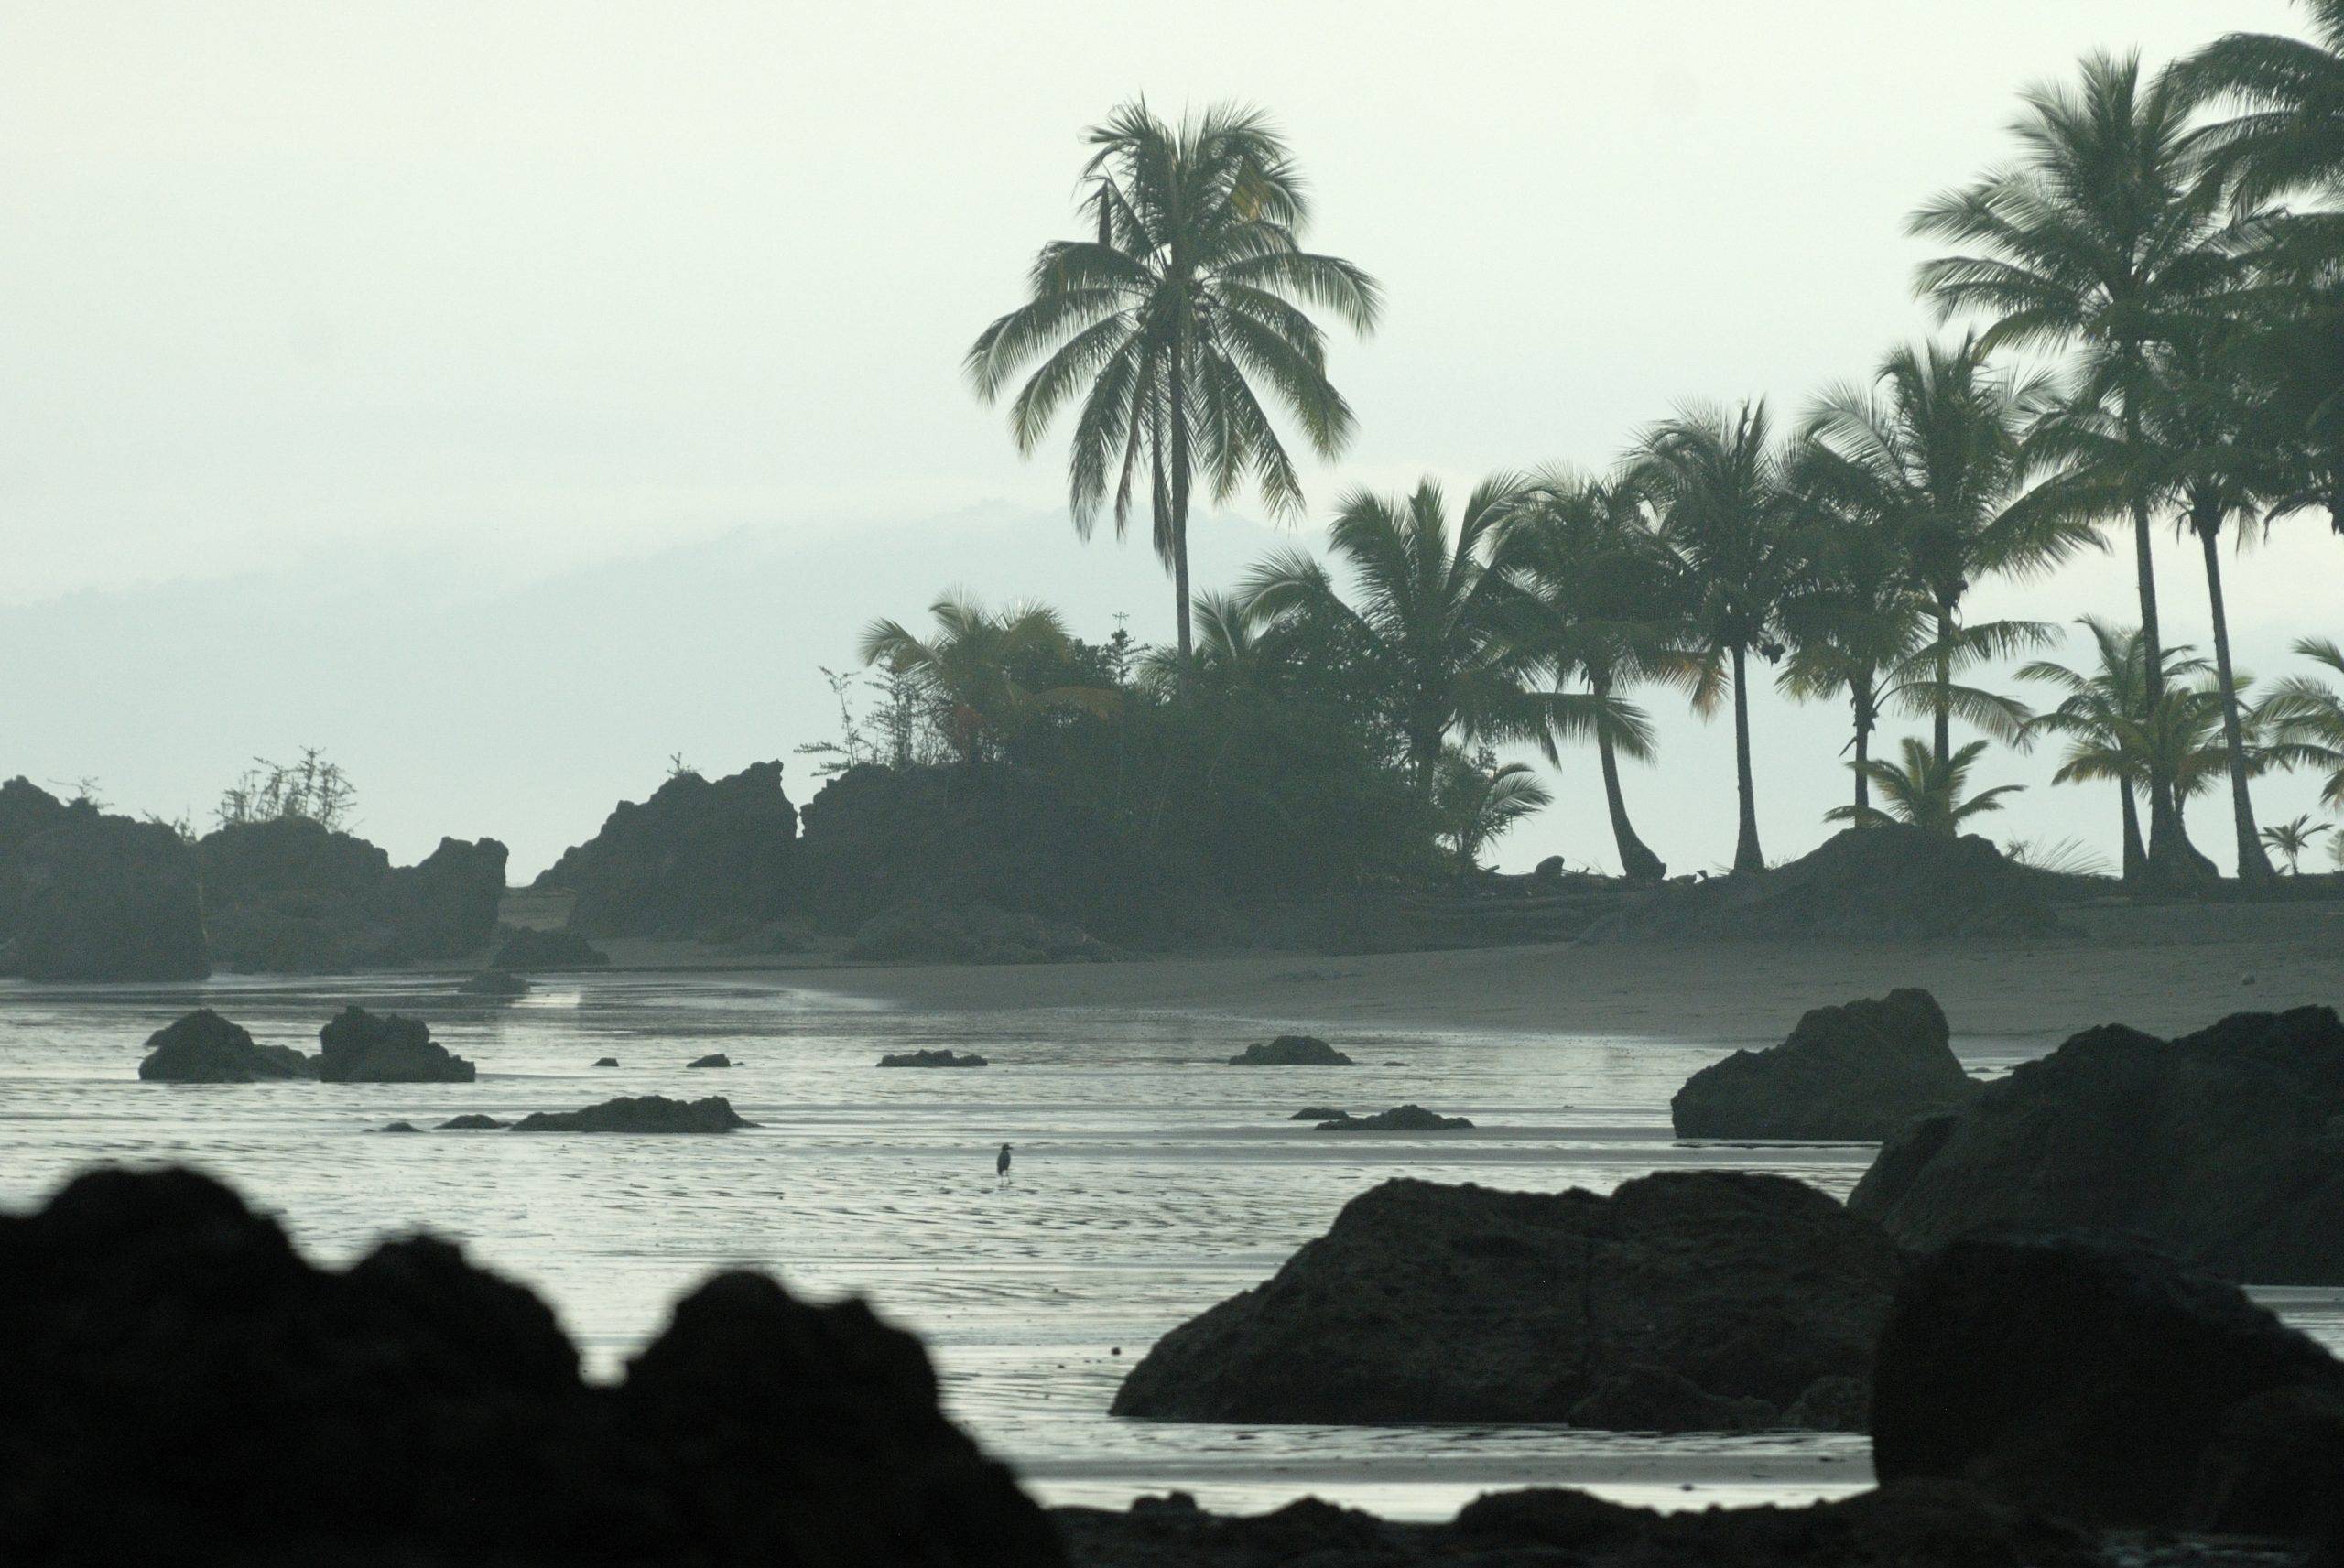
522	947
292	896
646	1113
89	896
931	932
205	1048
359	1047
1399	1119
1860	1072
496	984
700	855
939	1058
1291	1051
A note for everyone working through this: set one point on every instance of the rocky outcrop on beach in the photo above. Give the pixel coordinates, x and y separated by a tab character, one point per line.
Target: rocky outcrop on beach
292	896
929	932
2105	1383
495	984
699	856
205	1048
1291	1051
1320	1113
1860	1072
158	1341
937	1058
1399	1119
85	895
359	1047
1889	883
1429	1303
2223	1147
521	947
713	1059
644	1113
471	1122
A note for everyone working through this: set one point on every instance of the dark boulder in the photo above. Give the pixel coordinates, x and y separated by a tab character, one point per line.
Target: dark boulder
646	1113
2225	1148
1860	1072
89	896
942	1058
470	1123
714	1059
1427	1303
1399	1119
1318	1113
523	947
292	896
2086	1376
495	983
1291	1051
928	932
398	1127
205	1048
157	1339
359	1047
699	855
606	1060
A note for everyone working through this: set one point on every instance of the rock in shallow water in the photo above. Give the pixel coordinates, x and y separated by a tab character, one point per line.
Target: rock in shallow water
1399	1119
495	983
1860	1072
205	1048
933	1059
358	1047
644	1113
714	1059
1291	1051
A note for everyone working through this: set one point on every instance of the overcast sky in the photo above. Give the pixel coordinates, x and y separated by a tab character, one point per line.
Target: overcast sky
497	291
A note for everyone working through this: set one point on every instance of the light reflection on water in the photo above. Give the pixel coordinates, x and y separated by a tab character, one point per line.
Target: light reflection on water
1151	1181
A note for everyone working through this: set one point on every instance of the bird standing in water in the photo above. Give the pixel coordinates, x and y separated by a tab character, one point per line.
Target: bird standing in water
1001	1165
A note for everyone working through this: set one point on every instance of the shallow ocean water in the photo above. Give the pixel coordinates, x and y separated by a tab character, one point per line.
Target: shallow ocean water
1151	1181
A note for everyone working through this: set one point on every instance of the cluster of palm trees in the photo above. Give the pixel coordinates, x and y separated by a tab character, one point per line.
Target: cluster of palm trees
2169	241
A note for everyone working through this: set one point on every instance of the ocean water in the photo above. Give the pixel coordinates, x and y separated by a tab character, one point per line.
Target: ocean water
1151	1181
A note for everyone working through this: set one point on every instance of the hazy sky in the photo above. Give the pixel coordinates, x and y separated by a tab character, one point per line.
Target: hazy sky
491	291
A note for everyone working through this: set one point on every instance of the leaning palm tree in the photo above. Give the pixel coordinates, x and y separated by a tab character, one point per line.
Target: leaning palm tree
2291	839
2106	225
1937	453
1924	792
2102	718
1476	798
1429	619
972	671
2288	135
1719	483
1187	295
2303	717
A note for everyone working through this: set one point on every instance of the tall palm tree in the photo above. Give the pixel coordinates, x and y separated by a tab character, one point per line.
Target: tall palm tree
2288	136
1937	452
1598	603
1187	295
1476	798
2304	718
2103	716
971	670
2106	225
1719	482
1925	791
1430	619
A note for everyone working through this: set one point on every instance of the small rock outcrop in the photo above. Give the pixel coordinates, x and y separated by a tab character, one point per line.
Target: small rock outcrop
1318	1113
2225	1148
1399	1119
1291	1051
644	1113
2091	1379
606	1060
1428	1303
470	1123
713	1059
205	1048
156	1338
1860	1072
939	1058
398	1127
89	896
522	947
495	983
360	1047
699	855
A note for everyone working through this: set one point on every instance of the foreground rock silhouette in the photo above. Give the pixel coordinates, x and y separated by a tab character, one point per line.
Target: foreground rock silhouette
2223	1147
205	1048
641	1113
1860	1072
360	1047
1428	1303
178	1385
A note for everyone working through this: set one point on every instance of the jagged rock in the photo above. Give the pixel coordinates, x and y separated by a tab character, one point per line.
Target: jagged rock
521	947
470	1123
714	1059
1860	1072
205	1048
292	896
2225	1147
698	854
444	906
1399	1119
1291	1051
89	896
1427	1303
358	1047
942	1058
644	1113
924	932
495	983
157	1338
606	1060
1318	1113
2082	1375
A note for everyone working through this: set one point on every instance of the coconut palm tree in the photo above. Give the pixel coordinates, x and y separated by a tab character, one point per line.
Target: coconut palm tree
1719	483
2102	718
2292	839
1597	603
973	670
2303	717
1925	793
1233	651
2288	136
1937	453
1429	618
2106	225
1186	303
1476	798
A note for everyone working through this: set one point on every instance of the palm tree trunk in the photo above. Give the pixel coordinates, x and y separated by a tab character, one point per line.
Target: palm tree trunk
2253	865
2136	859
2167	855
1180	541
1863	751
1637	863
1943	727
1747	856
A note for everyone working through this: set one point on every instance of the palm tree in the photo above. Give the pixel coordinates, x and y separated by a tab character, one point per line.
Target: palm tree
2102	718
973	670
2289	134
1924	792
1719	483
1598	599
1937	452
1430	620
1476	799
2305	719
2107	225
1188	293
2292	839
1231	652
